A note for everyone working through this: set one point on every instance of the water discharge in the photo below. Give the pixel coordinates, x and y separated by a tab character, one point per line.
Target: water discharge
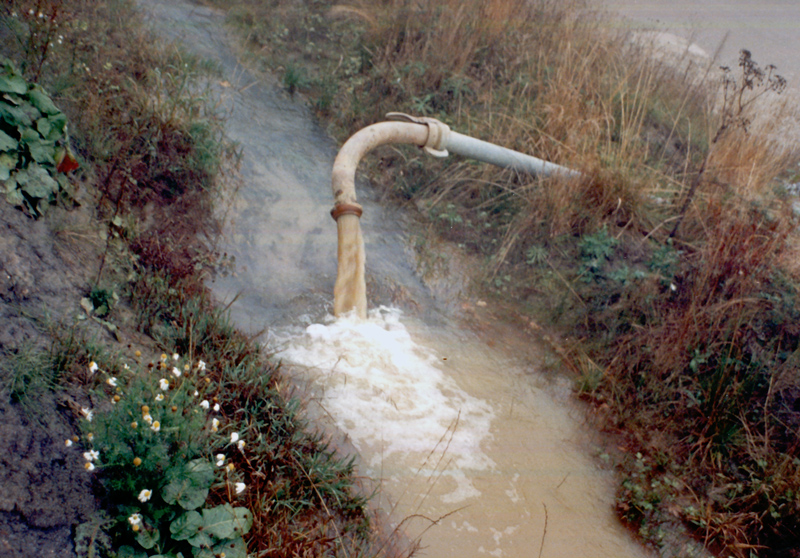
463	436
350	290
474	446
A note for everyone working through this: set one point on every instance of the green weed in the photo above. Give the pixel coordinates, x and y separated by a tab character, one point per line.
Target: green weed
151	449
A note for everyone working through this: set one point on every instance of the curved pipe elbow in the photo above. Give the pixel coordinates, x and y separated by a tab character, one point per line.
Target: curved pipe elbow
354	149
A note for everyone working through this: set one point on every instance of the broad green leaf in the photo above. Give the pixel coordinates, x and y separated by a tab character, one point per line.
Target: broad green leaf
42	151
42	101
15	100
188	485
7	143
58	126
65	186
148	539
243	521
14	197
235	548
7	164
10	185
225	522
188	526
28	134
219	521
43	126
18	117
36	182
13	84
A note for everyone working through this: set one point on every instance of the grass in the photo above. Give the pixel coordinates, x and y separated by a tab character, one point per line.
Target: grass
151	150
670	266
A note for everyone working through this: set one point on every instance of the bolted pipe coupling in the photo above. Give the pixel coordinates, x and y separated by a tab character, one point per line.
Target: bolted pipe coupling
343	208
438	132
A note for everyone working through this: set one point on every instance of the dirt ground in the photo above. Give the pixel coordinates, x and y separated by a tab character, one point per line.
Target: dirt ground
45	268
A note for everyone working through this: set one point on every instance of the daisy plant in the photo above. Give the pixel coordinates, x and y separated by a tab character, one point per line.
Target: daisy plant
152	450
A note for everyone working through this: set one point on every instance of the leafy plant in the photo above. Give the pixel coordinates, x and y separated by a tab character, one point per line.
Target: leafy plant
152	454
664	262
294	78
595	250
34	152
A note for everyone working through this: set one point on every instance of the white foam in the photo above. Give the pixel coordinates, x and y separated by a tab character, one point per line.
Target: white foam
389	393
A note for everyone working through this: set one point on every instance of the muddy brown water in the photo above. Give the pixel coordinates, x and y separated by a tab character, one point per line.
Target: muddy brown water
478	453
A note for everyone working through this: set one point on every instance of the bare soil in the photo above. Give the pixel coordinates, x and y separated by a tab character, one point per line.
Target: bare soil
45	268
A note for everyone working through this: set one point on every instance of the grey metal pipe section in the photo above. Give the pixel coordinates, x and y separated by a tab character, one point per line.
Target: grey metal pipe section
503	157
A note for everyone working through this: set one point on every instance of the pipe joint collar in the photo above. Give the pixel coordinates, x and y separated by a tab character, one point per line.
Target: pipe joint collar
438	132
346	209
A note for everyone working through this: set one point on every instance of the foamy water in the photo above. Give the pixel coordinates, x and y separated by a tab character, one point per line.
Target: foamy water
393	399
477	454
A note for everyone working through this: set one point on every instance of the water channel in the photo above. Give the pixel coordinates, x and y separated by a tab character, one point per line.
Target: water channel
478	452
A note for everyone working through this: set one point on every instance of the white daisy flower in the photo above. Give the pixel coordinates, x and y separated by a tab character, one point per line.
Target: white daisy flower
91	455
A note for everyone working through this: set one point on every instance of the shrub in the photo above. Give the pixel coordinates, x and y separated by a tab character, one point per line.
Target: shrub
34	146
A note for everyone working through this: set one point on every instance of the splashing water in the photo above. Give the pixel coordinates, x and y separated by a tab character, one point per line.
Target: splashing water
474	458
392	398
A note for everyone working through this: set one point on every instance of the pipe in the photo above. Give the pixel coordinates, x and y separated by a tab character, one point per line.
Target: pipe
350	291
504	157
437	139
